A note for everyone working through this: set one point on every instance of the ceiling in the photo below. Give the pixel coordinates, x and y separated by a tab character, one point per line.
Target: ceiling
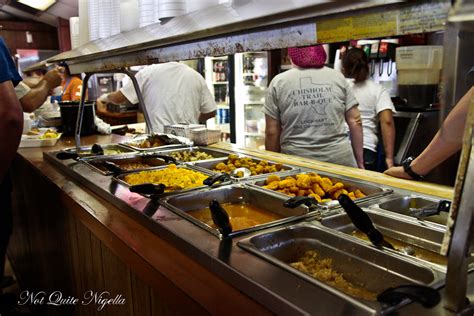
10	10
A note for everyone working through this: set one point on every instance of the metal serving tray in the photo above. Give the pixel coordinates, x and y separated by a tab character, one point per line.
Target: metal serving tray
133	144
408	232
210	164
402	204
376	270
96	163
184	203
85	151
120	179
216	153
371	190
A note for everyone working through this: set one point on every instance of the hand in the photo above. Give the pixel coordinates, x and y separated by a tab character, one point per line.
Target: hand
101	106
389	162
397	172
360	165
53	78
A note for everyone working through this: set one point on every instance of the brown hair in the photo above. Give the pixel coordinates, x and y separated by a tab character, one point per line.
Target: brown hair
355	64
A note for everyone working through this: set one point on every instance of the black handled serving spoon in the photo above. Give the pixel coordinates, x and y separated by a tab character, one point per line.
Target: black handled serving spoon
220	217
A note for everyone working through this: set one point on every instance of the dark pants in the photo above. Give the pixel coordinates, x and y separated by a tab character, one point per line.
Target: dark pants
6	220
370	160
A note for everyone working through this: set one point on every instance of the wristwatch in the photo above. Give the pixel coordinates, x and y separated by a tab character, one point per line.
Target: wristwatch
407	168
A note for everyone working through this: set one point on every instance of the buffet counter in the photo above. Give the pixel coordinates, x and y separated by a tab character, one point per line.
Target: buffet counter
69	238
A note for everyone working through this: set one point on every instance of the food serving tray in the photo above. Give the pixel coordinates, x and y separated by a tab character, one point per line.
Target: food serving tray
97	163
211	164
92	151
120	179
169	141
359	263
216	153
182	204
370	190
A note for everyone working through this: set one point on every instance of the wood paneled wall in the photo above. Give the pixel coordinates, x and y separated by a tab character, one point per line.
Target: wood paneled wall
14	34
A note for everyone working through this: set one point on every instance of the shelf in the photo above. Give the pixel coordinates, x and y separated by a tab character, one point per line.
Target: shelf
220	82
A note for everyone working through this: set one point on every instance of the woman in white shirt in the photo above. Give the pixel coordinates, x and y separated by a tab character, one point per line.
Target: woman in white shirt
375	106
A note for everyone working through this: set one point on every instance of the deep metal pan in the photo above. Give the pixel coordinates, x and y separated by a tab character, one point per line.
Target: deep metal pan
98	163
360	264
168	142
370	190
182	204
216	153
120	179
93	151
211	164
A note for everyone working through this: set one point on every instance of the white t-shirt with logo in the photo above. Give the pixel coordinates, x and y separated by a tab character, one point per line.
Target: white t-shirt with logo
173	93
373	99
310	105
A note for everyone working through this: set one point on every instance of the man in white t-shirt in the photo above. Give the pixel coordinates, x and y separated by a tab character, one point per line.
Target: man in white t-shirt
173	93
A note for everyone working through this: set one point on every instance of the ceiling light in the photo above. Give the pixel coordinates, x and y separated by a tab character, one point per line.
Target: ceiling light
41	5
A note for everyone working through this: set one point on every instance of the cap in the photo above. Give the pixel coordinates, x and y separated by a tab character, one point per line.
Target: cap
308	57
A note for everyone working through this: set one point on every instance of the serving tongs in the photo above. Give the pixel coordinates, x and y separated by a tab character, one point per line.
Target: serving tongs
362	222
116	170
220	217
430	210
157	189
296	201
96	150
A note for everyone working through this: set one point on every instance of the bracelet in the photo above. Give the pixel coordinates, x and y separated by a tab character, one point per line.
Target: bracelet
407	168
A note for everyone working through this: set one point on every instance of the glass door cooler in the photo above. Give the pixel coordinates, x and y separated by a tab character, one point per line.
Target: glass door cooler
251	80
216	75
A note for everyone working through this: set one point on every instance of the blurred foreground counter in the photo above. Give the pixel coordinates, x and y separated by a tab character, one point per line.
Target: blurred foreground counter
67	238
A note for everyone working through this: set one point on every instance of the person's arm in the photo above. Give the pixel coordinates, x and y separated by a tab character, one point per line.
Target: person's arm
38	94
357	141
11	125
388	135
446	142
272	134
203	117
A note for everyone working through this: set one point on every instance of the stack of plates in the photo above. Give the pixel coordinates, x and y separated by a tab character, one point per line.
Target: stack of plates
147	11
196	5
171	8
94	18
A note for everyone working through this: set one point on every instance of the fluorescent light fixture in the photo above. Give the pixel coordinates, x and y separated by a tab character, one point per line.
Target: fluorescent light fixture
41	5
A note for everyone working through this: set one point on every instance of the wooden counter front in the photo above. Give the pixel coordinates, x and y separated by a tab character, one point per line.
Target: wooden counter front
67	238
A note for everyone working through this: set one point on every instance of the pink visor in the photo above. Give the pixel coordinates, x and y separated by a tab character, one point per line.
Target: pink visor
308	57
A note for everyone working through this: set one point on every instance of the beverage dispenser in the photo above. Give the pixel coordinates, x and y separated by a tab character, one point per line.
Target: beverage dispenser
419	69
